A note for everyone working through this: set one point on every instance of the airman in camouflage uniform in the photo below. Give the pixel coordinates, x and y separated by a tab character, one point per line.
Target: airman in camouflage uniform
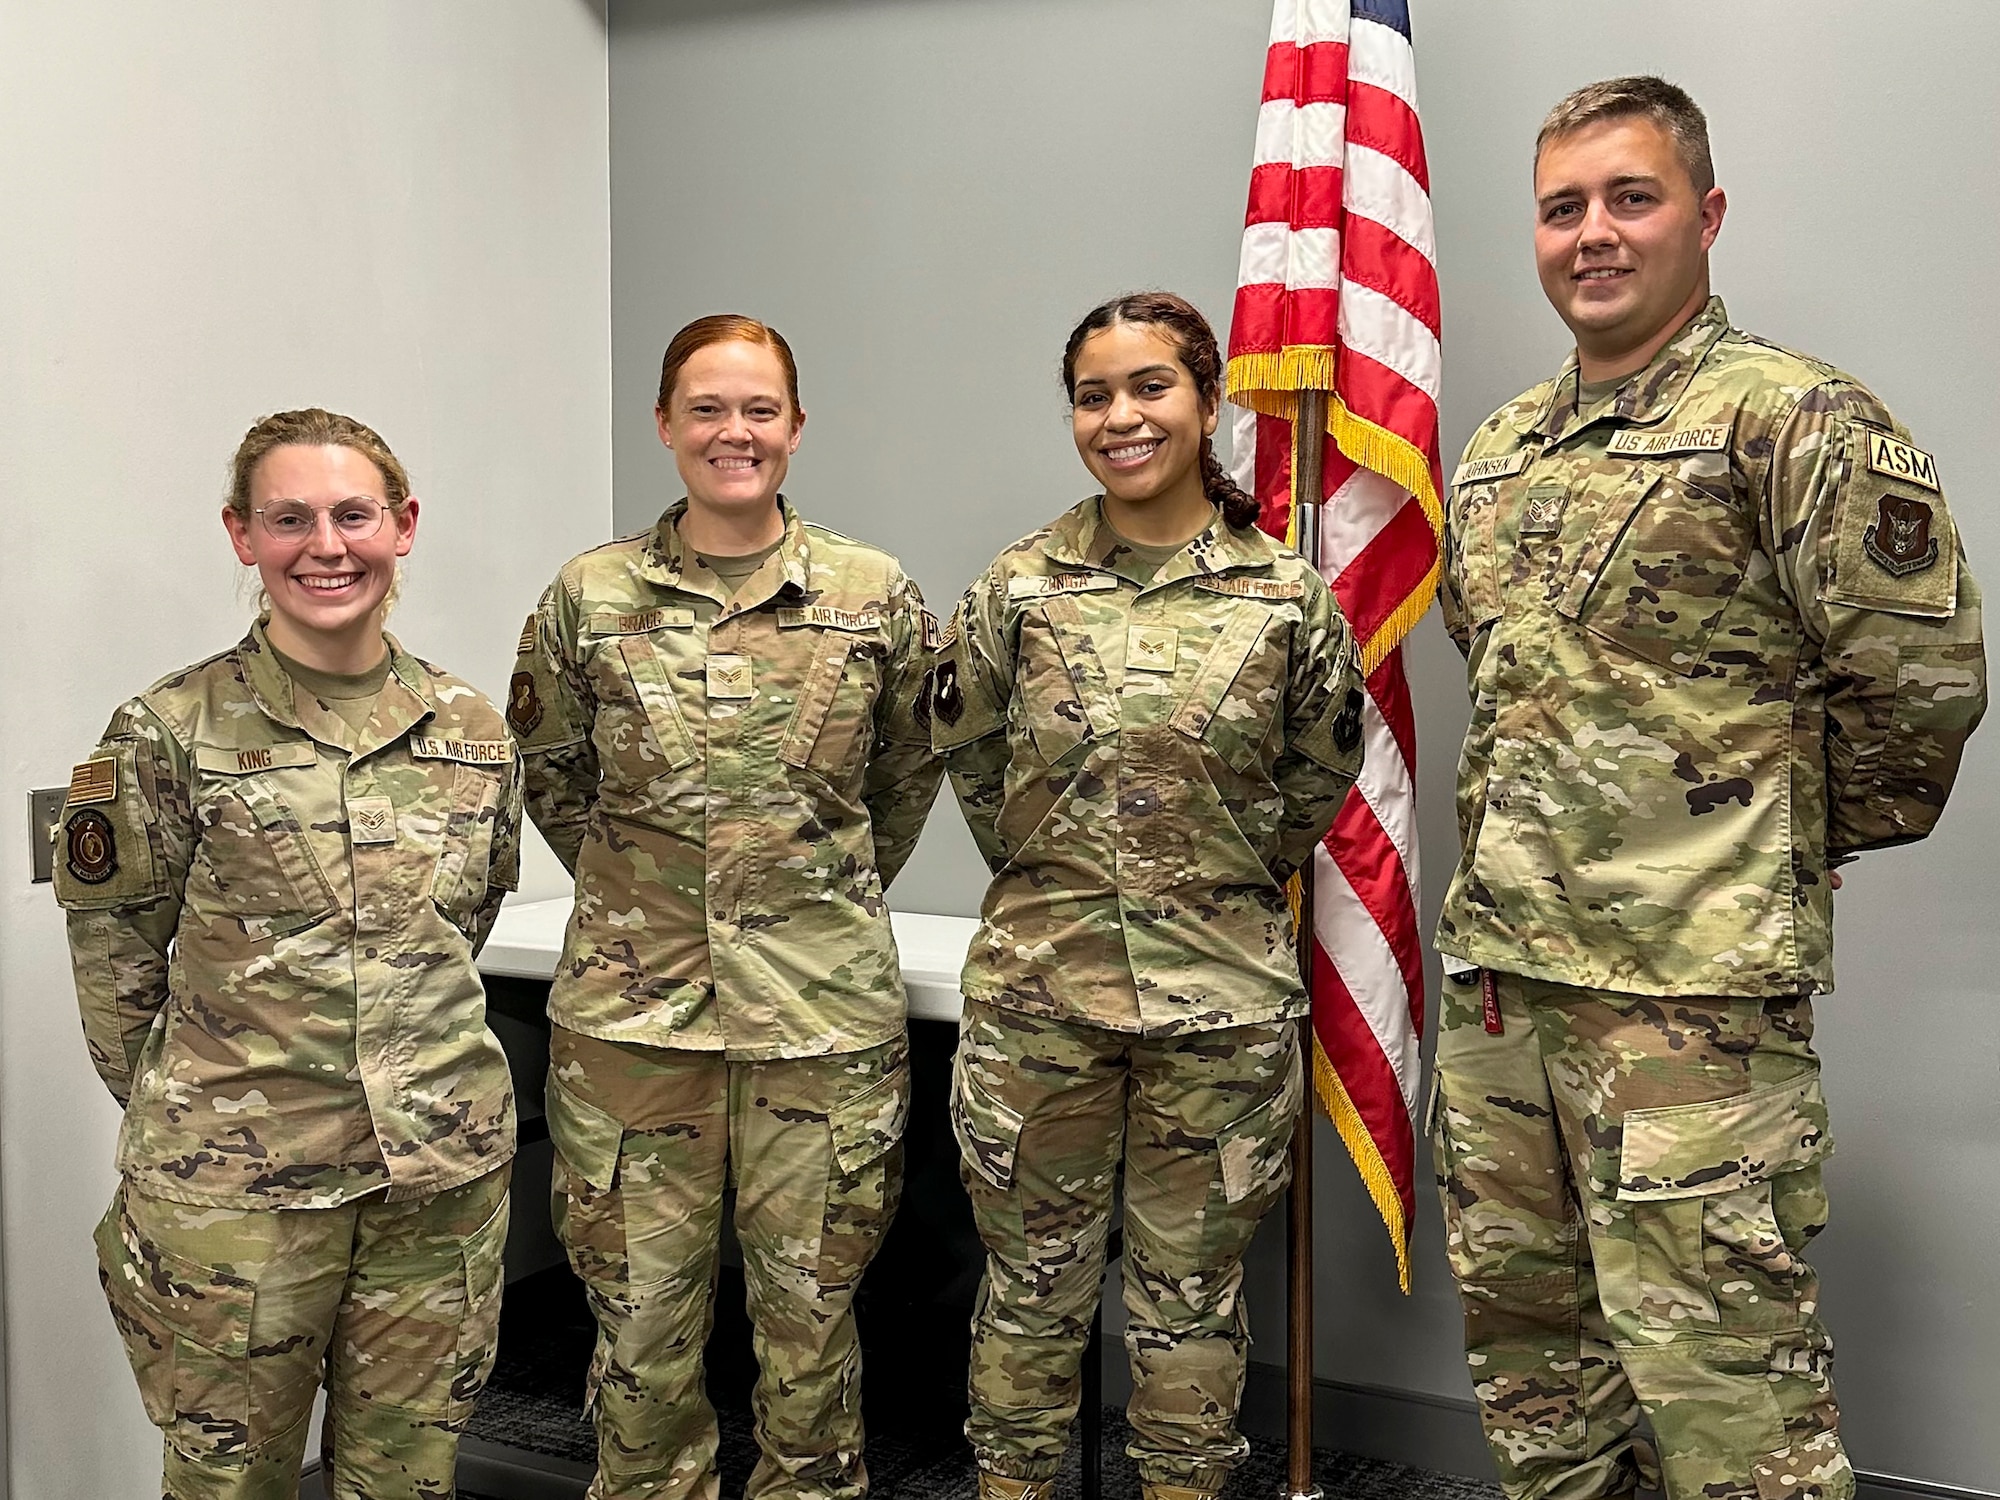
1144	758
733	776
272	916
1721	637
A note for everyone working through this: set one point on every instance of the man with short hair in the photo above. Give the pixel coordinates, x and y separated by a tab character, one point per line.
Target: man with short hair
1721	638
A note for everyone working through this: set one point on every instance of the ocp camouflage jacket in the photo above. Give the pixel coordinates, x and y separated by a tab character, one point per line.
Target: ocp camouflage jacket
1143	766
1721	634
272	919
734	782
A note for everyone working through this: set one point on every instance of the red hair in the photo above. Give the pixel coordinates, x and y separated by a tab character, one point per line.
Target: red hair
719	328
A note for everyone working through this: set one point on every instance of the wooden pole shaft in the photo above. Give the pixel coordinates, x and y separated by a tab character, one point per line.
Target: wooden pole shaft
1308	471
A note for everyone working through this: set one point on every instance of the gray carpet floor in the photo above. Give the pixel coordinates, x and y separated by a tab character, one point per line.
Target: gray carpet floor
916	1451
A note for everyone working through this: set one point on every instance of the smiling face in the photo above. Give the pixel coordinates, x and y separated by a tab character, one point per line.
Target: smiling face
328	592
1139	422
732	427
1621	240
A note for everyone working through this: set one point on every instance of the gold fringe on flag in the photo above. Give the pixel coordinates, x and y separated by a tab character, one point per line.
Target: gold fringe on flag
1334	1099
1270	383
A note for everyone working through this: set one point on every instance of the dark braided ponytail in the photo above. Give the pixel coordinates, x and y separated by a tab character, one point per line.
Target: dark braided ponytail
1194	342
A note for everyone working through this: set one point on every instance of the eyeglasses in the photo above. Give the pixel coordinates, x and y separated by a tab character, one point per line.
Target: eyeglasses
356	518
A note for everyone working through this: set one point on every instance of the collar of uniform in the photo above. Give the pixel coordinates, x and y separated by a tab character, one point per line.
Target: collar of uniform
404	702
1082	538
1647	395
668	562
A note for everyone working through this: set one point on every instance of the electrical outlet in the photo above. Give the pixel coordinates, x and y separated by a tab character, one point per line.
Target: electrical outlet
44	811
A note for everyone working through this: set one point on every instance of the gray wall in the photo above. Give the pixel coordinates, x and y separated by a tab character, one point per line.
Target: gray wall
212	212
924	194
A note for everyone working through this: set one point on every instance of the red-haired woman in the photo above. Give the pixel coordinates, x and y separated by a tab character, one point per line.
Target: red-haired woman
1150	711
720	721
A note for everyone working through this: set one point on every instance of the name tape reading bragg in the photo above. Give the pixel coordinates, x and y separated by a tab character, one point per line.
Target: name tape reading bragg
641	622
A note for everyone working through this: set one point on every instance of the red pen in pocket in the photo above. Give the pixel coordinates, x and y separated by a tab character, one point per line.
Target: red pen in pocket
1489	1001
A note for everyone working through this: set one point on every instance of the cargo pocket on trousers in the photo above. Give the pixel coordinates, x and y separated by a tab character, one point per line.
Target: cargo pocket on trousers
1723	1195
187	1335
988	1132
484	1254
583	1198
1253	1164
864	1175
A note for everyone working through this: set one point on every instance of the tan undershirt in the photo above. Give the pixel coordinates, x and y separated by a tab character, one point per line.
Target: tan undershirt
736	571
351	695
1146	558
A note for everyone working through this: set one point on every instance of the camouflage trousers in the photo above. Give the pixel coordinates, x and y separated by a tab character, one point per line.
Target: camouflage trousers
646	1140
1629	1184
232	1319
1046	1113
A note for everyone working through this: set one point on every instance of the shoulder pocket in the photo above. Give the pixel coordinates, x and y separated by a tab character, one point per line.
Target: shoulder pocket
104	855
1659	571
1895	547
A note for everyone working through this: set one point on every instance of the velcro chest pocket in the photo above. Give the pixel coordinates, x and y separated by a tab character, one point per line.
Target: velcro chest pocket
1473	554
1234	698
459	879
832	725
654	740
252	858
1657	570
1063	694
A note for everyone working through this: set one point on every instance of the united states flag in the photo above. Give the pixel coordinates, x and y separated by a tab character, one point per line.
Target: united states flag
1337	291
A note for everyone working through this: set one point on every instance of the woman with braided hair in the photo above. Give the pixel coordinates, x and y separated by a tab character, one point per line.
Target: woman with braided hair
1151	713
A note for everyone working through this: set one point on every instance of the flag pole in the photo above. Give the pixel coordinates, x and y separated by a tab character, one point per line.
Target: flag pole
1308	470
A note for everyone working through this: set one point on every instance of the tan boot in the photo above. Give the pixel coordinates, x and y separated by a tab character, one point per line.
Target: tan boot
999	1487
1173	1492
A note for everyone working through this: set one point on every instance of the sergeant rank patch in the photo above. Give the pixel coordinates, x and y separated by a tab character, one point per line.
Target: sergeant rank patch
90	848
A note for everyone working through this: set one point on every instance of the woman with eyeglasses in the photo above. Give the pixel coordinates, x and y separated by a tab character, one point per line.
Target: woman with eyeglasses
277	866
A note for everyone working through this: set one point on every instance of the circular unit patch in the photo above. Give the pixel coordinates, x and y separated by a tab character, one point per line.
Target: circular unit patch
90	847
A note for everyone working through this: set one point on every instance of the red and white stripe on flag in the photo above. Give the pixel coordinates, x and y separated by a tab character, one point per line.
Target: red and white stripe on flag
1337	291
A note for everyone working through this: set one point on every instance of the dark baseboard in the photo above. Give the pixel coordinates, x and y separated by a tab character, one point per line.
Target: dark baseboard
1442	1432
